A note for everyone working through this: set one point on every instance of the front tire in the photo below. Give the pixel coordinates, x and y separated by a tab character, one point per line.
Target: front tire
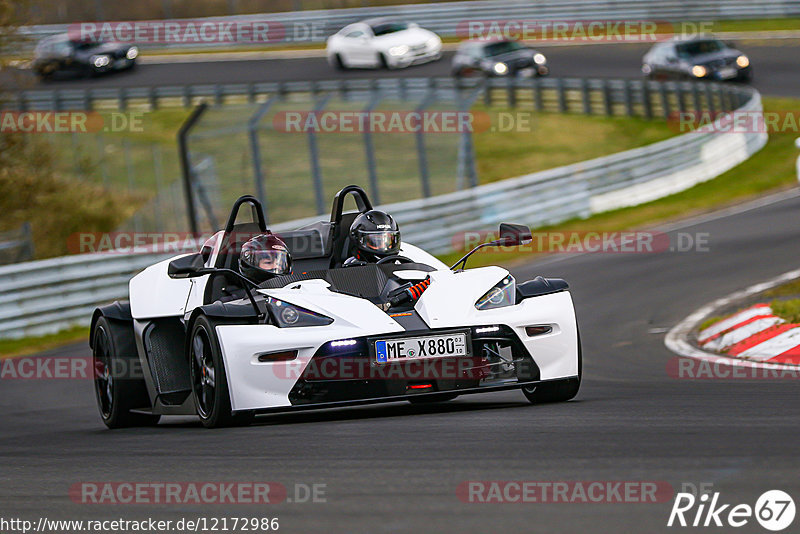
338	62
116	368
557	390
209	380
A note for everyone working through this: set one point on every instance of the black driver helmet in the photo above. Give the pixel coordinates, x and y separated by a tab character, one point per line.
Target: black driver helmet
375	234
263	257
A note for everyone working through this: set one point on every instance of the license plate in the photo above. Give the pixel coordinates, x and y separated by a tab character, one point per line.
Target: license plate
727	73
412	348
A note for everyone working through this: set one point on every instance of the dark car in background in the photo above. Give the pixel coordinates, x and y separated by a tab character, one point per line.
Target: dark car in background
498	58
60	53
702	58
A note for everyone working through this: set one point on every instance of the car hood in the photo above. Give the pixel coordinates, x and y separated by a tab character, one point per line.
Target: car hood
105	48
410	37
729	53
448	301
510	56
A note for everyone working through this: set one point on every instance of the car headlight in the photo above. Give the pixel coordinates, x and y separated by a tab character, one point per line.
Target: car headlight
501	295
100	61
646	69
539	59
699	71
398	50
133	52
742	61
433	42
288	315
500	68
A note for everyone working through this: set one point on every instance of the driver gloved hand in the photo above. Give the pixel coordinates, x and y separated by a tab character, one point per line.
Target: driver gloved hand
353	262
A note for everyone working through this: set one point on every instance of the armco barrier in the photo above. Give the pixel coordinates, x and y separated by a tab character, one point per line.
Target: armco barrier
45	296
445	17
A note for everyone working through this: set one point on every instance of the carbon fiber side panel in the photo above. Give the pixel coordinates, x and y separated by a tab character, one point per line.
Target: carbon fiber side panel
164	342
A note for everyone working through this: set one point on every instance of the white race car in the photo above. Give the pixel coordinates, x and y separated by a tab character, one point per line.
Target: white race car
382	43
197	337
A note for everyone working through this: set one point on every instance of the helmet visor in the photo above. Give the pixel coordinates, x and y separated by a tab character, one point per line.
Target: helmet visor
381	242
272	261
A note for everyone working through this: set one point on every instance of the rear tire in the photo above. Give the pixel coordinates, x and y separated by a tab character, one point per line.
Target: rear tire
209	380
118	384
557	390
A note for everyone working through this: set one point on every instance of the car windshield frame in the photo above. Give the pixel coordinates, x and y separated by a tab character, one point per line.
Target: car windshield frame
696	48
385	28
499	48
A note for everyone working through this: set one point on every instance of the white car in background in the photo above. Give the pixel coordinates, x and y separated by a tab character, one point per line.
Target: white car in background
382	43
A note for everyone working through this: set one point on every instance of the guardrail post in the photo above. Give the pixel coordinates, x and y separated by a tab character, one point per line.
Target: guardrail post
562	96
710	107
123	101
158	173
369	149
538	103
187	96
258	175
696	97
626	95
186	165
313	149
586	96
402	86
681	97
511	94
217	94
720	97
487	93
101	149
152	95
420	137
662	93
647	105
607	102
26	252
251	92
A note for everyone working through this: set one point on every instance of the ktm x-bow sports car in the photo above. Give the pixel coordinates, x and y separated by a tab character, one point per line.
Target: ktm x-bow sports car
198	337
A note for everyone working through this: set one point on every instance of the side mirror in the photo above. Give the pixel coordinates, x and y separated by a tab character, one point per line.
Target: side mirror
186	266
515	234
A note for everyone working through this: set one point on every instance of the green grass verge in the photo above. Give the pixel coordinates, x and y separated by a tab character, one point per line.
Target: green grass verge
556	139
11	348
789	310
708	322
785	290
771	169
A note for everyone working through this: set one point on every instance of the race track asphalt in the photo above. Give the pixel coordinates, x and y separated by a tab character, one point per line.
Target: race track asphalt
395	468
776	66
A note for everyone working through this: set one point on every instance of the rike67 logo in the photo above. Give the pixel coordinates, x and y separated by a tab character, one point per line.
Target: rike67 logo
774	510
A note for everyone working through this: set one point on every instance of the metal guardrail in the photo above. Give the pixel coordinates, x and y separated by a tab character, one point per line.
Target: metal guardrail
445	17
43	296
